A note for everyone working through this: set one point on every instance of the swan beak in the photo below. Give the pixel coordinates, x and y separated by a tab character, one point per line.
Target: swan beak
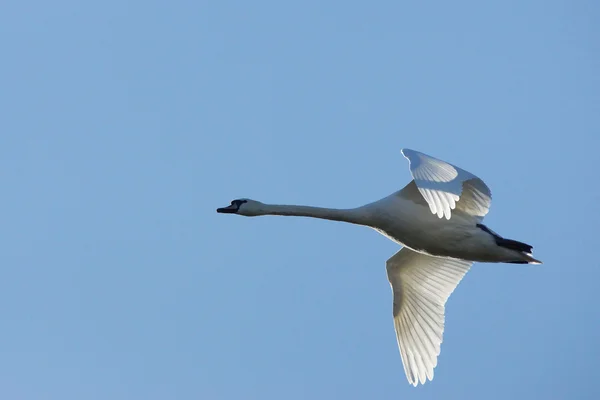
232	209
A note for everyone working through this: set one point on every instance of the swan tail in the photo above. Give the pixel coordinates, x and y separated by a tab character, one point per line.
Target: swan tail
523	249
514	245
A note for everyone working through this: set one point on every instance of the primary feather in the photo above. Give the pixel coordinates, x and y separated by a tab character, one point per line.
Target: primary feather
443	185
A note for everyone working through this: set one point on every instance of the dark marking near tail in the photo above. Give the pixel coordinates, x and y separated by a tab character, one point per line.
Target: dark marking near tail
508	243
488	230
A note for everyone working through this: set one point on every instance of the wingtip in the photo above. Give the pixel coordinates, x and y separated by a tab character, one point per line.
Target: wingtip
405	151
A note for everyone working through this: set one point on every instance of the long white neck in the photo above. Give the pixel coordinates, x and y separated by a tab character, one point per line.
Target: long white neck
352	215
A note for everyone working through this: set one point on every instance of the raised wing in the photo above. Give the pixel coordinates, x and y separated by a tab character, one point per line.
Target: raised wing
446	187
421	285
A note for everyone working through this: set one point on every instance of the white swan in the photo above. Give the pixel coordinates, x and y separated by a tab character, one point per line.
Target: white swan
437	218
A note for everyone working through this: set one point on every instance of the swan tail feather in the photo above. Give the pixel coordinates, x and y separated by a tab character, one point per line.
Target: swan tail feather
520	247
514	245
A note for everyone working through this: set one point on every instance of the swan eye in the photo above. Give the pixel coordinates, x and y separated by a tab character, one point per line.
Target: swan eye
238	203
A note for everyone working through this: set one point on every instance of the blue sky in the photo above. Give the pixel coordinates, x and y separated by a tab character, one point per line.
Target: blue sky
125	124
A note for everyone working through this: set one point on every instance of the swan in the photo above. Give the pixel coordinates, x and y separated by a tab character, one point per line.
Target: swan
437	218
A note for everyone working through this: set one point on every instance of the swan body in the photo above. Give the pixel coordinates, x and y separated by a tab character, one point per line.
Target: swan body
437	218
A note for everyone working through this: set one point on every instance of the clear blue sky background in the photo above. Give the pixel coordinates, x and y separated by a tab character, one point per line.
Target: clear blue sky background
123	125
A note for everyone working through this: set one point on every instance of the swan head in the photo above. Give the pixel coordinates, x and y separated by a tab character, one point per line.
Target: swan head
247	207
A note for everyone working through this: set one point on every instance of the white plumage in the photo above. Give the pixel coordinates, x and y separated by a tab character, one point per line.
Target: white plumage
437	218
443	184
421	285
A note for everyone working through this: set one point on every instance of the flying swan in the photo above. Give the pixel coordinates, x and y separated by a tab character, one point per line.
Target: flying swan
437	218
